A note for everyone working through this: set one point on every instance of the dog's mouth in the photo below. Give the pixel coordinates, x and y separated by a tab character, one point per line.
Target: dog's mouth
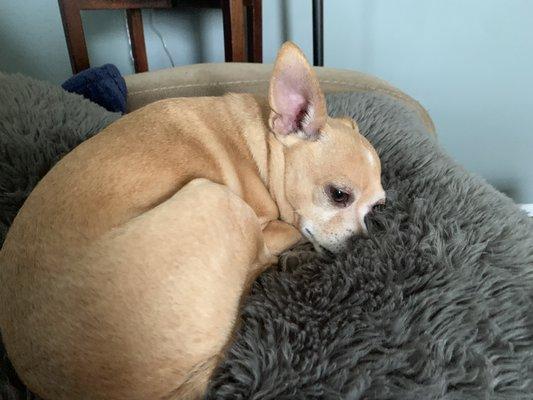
309	236
318	248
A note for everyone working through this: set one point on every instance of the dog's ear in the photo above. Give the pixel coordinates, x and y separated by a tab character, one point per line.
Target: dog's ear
296	101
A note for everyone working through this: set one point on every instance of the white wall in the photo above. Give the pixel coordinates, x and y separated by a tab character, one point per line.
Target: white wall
469	62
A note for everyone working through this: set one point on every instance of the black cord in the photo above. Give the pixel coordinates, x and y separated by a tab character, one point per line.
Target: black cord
318	33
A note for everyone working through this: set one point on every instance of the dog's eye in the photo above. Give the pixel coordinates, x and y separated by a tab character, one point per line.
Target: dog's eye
340	197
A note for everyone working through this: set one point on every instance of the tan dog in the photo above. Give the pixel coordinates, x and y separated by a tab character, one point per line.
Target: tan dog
121	280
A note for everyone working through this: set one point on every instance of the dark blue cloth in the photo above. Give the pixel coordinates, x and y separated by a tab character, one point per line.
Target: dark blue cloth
103	85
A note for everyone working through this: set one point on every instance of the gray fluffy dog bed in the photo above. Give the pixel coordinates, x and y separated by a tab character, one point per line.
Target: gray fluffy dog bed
436	304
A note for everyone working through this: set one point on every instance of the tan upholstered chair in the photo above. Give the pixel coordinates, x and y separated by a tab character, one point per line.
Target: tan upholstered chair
217	79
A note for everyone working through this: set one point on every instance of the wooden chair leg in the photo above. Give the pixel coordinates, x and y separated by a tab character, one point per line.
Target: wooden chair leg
254	26
138	46
233	18
73	27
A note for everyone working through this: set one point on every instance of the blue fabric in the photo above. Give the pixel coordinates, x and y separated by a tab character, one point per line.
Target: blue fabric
103	85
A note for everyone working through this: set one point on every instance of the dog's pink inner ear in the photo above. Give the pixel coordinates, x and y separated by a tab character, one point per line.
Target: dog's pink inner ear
296	100
292	107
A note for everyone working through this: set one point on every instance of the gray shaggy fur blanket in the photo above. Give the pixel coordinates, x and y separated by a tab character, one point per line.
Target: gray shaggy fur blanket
436	304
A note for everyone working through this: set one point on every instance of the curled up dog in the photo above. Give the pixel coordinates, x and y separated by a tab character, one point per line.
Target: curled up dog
122	274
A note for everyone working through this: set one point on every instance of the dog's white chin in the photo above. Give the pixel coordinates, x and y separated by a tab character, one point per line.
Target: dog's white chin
318	248
323	250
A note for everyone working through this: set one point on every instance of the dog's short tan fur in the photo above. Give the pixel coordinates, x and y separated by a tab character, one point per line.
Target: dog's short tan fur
121	280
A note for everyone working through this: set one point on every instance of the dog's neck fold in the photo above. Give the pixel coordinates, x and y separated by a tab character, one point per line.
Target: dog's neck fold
267	152
276	179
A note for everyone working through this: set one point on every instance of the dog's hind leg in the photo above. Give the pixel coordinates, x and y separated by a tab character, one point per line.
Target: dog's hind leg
147	310
280	236
197	253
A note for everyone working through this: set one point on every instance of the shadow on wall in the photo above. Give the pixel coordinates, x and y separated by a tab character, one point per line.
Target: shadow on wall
21	56
194	20
32	40
510	187
186	32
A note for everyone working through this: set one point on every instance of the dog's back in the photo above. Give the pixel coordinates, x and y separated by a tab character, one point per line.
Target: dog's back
138	162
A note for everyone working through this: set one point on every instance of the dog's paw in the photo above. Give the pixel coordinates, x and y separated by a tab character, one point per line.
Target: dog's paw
280	236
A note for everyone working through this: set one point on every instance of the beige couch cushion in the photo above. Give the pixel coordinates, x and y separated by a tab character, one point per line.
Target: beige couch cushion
217	79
